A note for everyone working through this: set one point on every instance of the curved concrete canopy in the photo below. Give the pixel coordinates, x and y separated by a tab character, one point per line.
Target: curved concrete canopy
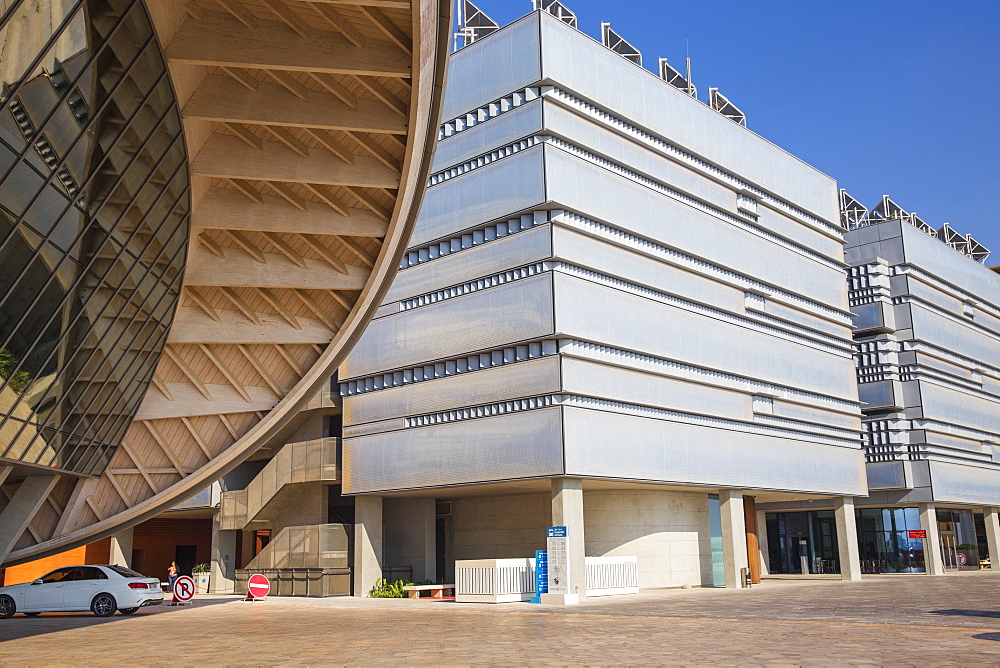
309	126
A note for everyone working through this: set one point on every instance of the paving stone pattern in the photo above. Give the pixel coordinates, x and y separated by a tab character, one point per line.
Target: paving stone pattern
902	620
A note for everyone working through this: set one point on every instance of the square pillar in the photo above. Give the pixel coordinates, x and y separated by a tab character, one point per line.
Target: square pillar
765	551
121	549
567	511
367	567
933	563
222	578
991	515
734	537
410	536
847	538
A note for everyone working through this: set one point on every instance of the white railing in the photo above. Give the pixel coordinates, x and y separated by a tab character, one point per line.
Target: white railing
507	580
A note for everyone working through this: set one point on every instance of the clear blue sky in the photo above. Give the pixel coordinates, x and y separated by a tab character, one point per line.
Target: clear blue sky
887	96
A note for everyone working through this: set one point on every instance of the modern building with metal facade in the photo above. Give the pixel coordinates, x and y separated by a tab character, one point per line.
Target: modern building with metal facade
928	337
619	311
201	205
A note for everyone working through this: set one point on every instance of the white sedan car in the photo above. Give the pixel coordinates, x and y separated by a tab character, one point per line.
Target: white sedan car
100	589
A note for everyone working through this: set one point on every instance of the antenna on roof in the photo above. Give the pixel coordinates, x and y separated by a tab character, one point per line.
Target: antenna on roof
676	79
721	104
617	43
558	10
472	23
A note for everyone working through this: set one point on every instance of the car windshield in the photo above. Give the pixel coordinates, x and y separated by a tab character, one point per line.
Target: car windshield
126	572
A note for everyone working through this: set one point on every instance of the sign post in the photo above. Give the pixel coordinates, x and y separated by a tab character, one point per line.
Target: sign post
541	575
183	590
557	541
258	588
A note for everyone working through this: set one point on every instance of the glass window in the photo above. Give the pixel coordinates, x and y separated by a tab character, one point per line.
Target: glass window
89	573
126	572
94	218
59	575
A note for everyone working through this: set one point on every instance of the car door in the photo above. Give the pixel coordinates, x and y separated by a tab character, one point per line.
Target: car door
48	595
80	591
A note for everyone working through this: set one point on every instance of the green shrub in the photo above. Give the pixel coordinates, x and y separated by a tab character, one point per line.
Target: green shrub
199	569
385	589
19	381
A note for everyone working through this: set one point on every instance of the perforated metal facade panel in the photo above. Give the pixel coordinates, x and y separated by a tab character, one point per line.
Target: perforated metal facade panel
600	443
479	321
505	447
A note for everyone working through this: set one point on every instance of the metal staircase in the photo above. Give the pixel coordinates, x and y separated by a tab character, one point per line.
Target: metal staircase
306	461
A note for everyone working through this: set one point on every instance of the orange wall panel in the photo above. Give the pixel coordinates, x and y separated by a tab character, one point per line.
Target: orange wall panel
94	553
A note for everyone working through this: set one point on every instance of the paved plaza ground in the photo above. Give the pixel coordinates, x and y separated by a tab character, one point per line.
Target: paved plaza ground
882	620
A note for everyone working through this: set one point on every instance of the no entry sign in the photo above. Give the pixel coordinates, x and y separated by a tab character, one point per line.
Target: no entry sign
257	586
183	589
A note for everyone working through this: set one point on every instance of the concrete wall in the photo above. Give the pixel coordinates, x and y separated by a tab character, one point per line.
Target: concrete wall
667	531
500	527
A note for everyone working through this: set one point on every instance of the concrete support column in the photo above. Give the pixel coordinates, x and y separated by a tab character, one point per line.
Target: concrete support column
932	544
991	515
847	538
367	566
567	511
247	547
428	517
223	574
734	537
121	548
16	515
410	536
765	556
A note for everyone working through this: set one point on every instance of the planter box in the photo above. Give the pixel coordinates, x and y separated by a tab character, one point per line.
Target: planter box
200	582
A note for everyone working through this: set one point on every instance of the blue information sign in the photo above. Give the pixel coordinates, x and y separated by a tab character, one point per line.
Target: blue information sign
555	532
541	575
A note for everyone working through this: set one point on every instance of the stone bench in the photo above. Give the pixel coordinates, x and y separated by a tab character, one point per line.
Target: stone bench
436	590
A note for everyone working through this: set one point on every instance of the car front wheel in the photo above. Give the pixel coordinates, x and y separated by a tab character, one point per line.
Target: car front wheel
103	605
7	607
128	611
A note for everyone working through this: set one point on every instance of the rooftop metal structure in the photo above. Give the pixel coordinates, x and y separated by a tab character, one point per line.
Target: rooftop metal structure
617	43
721	104
855	215
472	24
558	10
669	74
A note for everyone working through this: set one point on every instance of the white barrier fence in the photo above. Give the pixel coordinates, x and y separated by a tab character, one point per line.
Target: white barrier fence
507	580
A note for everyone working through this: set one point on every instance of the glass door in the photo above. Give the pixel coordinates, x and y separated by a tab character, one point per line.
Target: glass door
949	550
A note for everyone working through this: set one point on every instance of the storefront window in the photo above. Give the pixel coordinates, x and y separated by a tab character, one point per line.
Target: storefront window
890	540
802	542
959	547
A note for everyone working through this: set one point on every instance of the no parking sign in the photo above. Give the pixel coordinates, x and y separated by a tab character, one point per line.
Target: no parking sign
183	590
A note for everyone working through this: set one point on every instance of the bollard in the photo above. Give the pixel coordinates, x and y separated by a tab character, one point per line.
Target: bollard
745	579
